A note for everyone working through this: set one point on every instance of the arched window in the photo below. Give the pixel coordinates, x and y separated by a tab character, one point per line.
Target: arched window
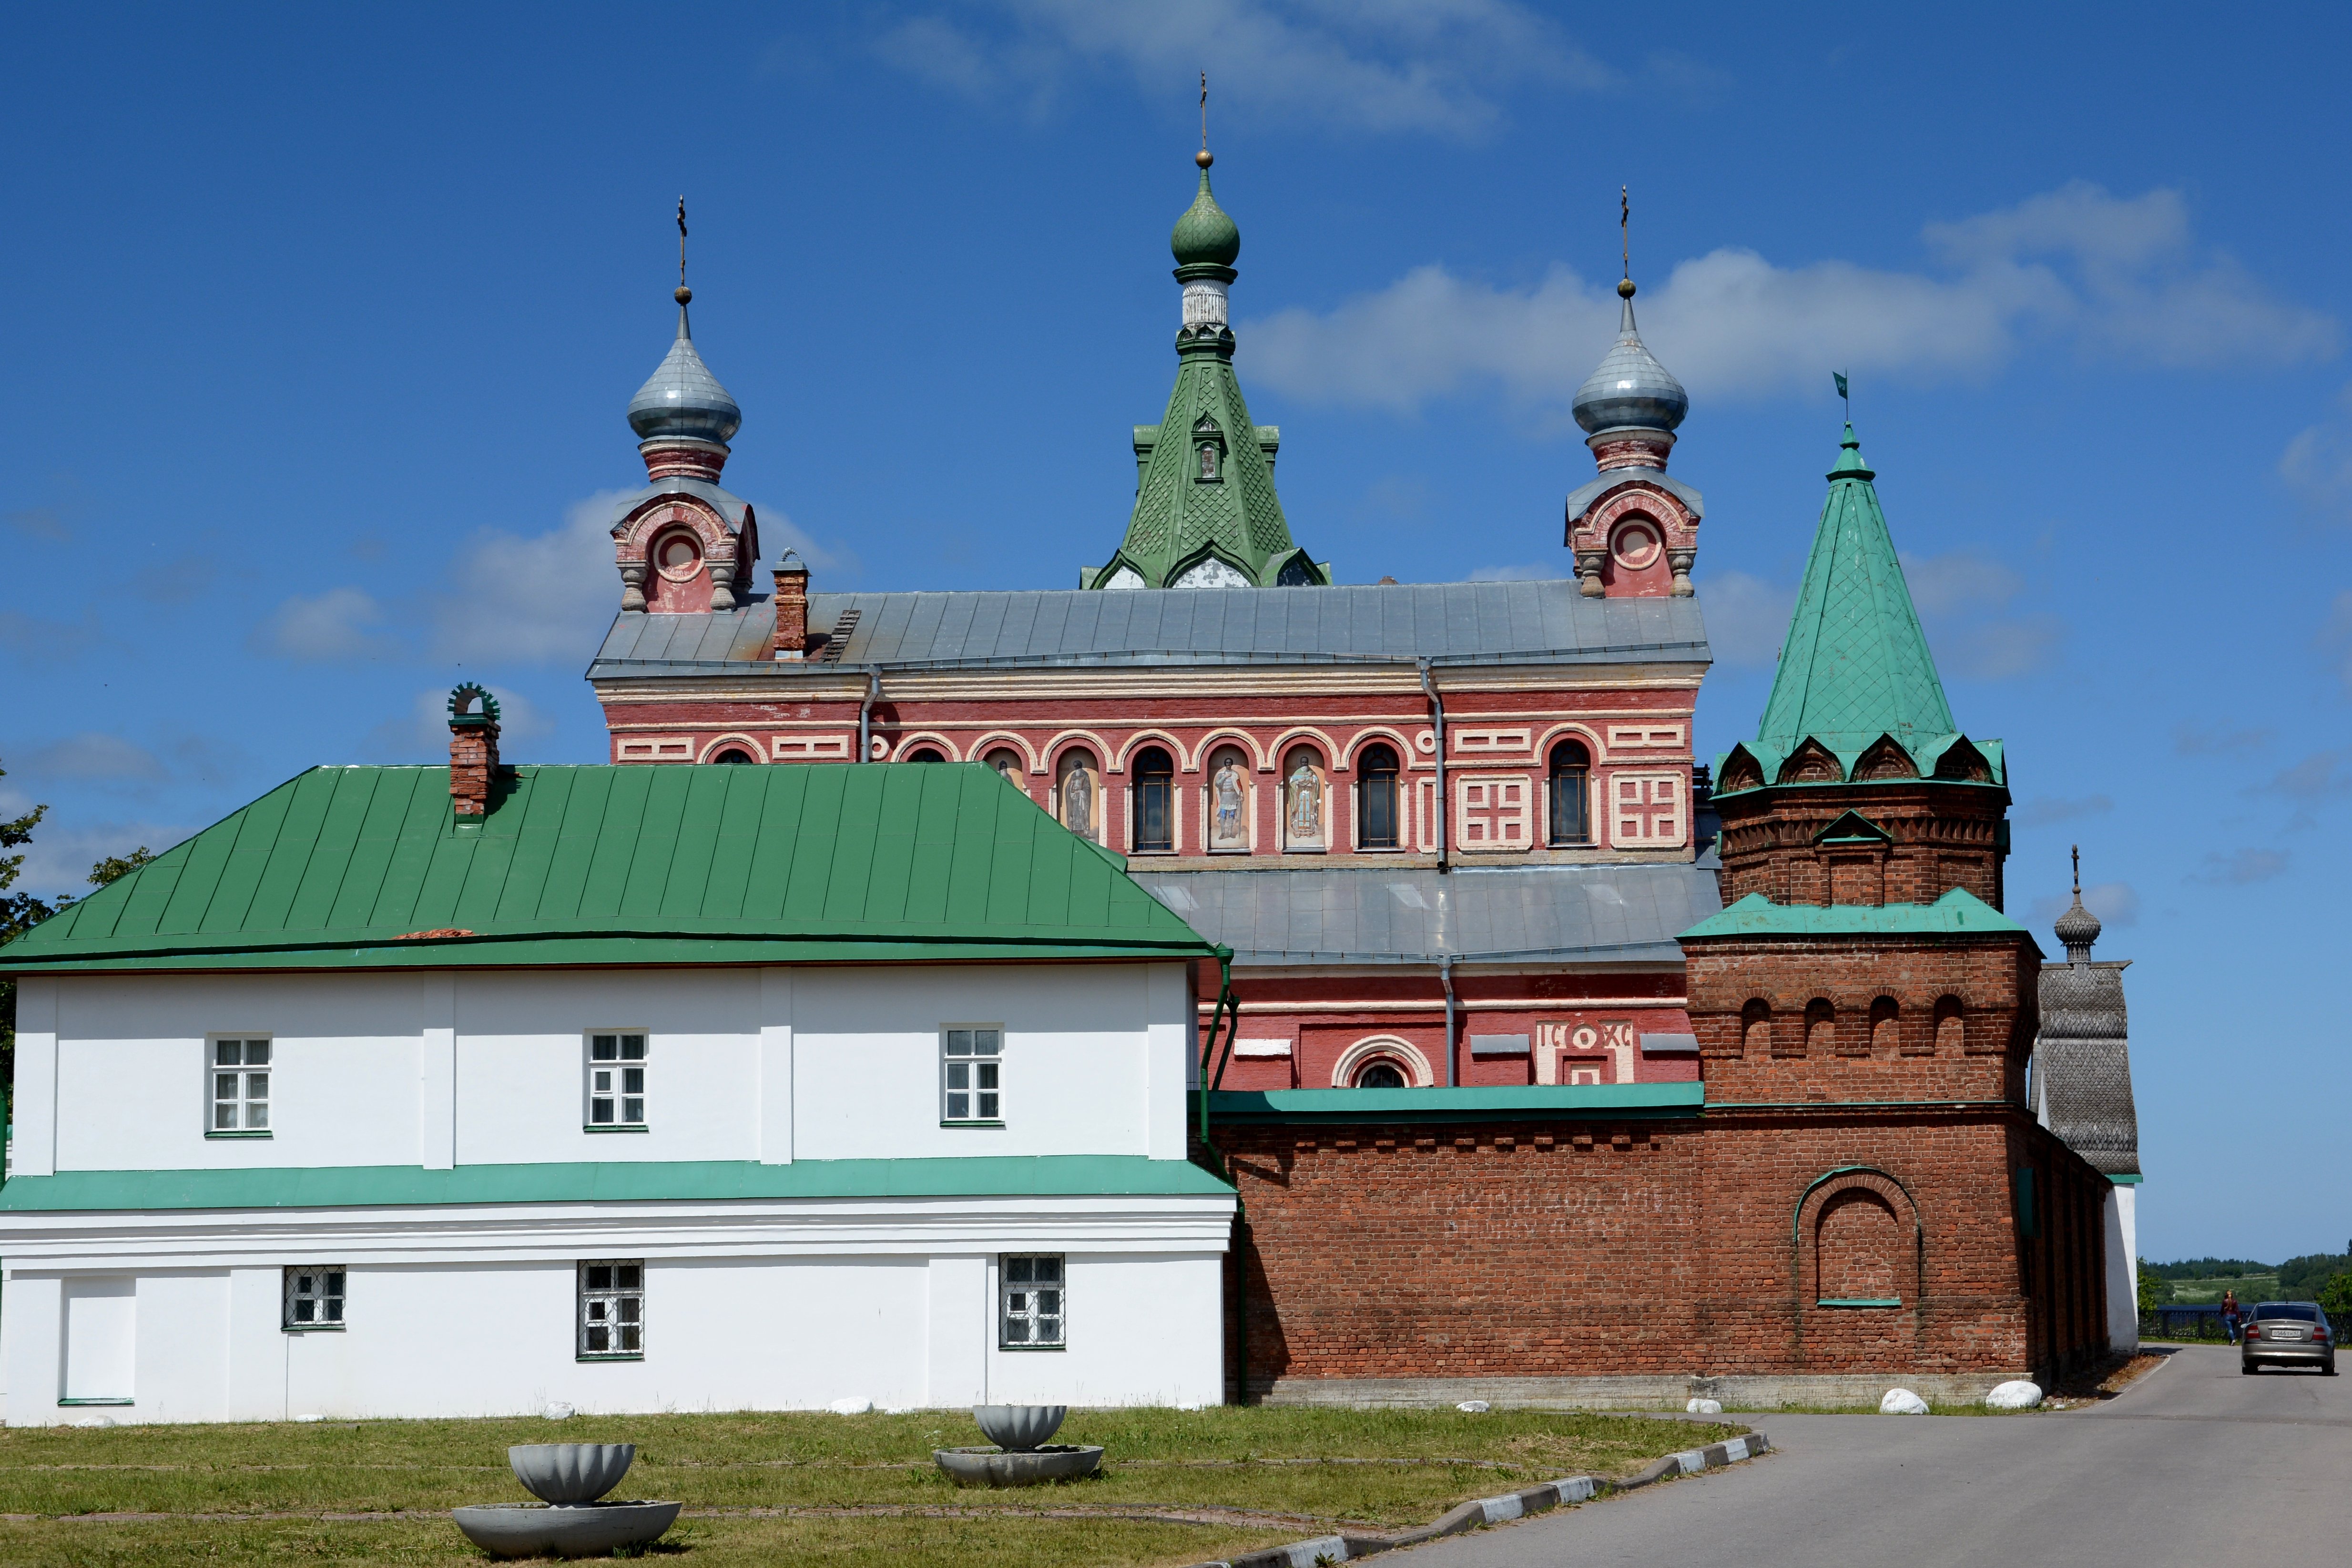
1302	800
1381	1073
1885	1024
732	754
1821	1026
1951	1031
1571	795
1376	798
1155	801
1007	763
925	754
1075	782
1756	1028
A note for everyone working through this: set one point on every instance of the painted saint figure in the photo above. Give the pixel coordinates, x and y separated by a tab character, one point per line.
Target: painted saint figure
1229	793
1303	826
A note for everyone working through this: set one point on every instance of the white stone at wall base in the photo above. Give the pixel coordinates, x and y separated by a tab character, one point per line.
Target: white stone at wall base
1902	1401
1473	1407
1704	1407
2016	1394
851	1406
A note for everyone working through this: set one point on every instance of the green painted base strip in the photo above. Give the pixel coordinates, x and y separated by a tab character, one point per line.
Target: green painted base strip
98	1402
650	1181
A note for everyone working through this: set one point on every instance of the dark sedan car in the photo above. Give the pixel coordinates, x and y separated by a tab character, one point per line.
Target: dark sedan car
2287	1333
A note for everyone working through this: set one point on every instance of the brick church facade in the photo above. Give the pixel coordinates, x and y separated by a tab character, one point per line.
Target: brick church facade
1544	1071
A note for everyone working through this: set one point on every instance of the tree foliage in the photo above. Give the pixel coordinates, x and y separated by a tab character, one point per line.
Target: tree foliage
2154	1289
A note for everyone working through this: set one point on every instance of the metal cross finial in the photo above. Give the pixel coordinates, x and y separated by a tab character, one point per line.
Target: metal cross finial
1203	157
1625	228
2078	873
681	242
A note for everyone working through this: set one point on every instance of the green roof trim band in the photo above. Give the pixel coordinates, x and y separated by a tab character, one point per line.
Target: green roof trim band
679	1180
360	867
1478	1104
1958	913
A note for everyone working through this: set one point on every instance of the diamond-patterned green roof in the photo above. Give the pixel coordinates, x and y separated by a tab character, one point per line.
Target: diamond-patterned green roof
1856	665
365	867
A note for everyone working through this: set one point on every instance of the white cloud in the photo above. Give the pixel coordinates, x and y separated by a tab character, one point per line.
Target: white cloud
92	756
2111	277
1959	596
1431	66
548	596
2049	809
2241	866
59	857
2116	903
1747	616
422	733
334	626
2318	464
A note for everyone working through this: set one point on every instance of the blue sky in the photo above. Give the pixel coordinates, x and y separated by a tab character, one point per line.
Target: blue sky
320	325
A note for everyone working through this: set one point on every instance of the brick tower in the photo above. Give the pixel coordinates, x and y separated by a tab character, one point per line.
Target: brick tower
1865	1013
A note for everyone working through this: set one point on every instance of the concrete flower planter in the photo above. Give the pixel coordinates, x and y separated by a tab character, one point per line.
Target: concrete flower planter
1019	1427
568	1522
1020	1467
572	1529
571	1472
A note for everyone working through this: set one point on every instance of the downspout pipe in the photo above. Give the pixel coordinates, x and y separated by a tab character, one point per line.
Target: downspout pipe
1445	978
1437	711
866	716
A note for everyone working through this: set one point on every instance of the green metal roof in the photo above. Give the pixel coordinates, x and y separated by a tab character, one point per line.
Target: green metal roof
1856	665
1484	1103
773	864
650	1181
1958	913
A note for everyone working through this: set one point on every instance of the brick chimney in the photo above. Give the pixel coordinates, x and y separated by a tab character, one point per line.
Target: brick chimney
473	749
792	606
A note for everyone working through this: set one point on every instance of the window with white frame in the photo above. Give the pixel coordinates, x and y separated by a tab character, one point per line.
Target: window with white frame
239	1076
616	1081
314	1296
1031	1293
612	1308
970	1064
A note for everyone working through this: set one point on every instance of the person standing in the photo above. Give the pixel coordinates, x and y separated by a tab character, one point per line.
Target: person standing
2229	1314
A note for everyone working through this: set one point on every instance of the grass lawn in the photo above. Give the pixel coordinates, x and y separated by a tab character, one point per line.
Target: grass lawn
773	1485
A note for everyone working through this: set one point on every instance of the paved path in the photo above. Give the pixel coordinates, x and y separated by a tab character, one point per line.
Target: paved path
2194	1464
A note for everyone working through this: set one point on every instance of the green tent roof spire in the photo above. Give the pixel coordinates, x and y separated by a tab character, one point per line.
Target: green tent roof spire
1206	514
1856	665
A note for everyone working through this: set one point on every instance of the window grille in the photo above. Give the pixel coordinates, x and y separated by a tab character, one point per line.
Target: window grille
1155	802
616	1081
240	1080
970	1063
314	1296
612	1308
1032	1293
1376	790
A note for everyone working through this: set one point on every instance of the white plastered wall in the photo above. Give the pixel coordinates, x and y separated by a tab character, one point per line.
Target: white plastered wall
2123	1266
464	1067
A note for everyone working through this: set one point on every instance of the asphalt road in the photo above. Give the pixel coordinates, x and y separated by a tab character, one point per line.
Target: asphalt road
2193	1465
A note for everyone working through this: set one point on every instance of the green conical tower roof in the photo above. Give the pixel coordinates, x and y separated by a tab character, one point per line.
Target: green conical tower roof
1206	514
1856	665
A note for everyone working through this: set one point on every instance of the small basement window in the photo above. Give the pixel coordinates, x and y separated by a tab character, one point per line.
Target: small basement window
1032	1319
239	1072
616	1083
314	1296
613	1309
971	1060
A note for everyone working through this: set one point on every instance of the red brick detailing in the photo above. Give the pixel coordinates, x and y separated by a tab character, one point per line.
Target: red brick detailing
473	767
792	608
683	460
1943	836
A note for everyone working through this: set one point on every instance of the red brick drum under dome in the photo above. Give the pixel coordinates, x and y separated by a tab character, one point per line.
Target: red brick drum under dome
1515	1104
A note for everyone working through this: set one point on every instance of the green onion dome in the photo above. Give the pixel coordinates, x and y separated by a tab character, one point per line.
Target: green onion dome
1205	235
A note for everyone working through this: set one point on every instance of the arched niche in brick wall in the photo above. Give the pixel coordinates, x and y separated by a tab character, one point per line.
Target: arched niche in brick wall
1857	1243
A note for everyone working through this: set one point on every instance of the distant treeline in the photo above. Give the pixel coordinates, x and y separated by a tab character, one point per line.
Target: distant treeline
2299	1278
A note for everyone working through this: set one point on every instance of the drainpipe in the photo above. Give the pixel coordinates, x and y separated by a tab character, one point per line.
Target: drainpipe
864	712
1437	707
1445	978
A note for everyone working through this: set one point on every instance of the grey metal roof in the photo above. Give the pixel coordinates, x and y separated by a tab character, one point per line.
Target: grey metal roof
1447	623
728	504
2082	1063
1630	387
1330	915
1581	499
682	398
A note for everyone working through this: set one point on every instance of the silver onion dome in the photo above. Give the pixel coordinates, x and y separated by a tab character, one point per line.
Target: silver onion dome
1631	387
682	399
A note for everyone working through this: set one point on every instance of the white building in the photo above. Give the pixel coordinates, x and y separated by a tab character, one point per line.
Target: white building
642	1089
